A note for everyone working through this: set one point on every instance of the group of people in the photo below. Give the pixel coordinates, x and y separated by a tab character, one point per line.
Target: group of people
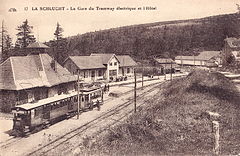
97	105
106	88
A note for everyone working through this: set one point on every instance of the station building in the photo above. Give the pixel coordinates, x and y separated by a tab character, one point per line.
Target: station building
30	78
100	66
232	47
205	59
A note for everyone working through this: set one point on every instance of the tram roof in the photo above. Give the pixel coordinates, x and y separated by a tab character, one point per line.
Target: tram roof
42	102
29	106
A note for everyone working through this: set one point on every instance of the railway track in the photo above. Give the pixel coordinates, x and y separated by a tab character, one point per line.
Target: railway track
119	119
76	132
83	128
11	141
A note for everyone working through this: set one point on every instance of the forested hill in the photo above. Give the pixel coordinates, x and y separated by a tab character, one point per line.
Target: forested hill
165	39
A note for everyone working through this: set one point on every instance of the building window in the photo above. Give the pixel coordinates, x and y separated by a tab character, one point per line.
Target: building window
93	73
115	63
128	70
111	64
112	72
85	75
100	73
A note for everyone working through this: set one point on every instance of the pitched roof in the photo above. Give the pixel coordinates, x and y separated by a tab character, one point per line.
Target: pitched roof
184	57
169	66
105	57
37	45
164	60
206	55
88	62
203	56
126	60
96	61
233	42
23	72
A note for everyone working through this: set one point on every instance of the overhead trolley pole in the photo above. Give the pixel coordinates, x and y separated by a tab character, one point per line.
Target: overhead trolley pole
135	92
78	101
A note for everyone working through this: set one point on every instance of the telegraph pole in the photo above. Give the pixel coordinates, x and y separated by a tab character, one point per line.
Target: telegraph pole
1	54
142	76
78	102
135	92
181	62
194	59
171	71
165	76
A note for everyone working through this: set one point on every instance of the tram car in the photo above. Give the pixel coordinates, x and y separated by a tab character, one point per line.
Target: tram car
45	112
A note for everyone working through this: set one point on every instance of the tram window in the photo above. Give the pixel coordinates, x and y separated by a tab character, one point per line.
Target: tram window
37	111
86	98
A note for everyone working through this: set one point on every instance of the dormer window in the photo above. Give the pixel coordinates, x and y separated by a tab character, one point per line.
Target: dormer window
115	63
53	65
111	64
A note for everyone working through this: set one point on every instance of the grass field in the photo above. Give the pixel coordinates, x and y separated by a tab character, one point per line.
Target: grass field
175	121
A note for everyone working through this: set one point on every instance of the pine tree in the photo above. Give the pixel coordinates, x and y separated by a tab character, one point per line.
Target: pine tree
6	43
60	43
24	36
58	32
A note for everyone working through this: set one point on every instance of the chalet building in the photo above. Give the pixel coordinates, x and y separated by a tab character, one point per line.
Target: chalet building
232	47
166	64
100	66
205	58
30	78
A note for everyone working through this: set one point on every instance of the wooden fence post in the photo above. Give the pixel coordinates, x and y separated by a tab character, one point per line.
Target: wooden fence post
216	137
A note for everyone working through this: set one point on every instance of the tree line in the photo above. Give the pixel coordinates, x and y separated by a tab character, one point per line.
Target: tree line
24	38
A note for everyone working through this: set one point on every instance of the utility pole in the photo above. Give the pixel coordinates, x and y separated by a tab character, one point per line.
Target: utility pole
1	54
78	102
135	92
165	76
102	94
171	71
142	76
194	59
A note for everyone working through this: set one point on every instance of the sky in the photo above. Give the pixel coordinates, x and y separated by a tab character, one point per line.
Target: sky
80	21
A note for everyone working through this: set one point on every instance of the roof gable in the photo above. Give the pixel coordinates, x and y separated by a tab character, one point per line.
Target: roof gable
105	57
126	60
233	42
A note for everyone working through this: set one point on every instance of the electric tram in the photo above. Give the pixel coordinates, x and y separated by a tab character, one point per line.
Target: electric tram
50	110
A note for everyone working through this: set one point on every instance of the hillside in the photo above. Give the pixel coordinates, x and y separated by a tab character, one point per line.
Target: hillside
144	41
175	122
165	39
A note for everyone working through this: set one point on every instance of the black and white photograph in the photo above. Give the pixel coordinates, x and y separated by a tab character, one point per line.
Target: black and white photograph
113	78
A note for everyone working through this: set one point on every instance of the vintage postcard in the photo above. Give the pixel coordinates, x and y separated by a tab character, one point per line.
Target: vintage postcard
129	77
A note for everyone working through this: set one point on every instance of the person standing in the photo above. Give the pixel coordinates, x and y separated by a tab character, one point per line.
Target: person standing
105	88
98	105
108	87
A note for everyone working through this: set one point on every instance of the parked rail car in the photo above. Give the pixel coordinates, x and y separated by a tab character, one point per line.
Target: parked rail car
47	111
